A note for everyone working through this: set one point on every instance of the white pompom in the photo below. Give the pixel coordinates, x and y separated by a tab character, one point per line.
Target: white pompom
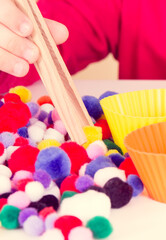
5	171
36	133
53	234
83	169
35	191
51	133
40	124
47	107
105	174
5	184
3	157
53	190
33	120
86	205
10	150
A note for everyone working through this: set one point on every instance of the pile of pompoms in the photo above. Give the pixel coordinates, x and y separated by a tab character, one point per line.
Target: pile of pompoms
50	185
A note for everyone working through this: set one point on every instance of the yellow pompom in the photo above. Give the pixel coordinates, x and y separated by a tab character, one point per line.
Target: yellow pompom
48	143
23	92
111	151
92	133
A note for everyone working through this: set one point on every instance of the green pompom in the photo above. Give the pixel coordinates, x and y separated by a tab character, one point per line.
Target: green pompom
9	217
67	194
112	145
100	226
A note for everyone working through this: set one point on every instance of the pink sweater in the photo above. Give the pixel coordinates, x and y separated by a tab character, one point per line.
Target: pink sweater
134	31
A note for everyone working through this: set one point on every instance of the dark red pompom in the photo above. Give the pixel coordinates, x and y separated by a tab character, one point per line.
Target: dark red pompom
66	223
68	184
128	166
77	154
3	201
12	97
106	133
23	158
21	141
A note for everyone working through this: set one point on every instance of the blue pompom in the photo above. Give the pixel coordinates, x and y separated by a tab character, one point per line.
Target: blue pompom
107	94
1	103
93	106
7	138
54	161
99	163
117	158
33	107
50	118
23	132
83	183
43	177
25	214
42	116
135	182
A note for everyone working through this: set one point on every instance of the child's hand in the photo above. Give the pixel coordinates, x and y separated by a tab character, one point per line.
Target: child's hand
16	51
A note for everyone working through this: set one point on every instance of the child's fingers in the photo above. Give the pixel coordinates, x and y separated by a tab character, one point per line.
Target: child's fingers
14	19
17	67
19	46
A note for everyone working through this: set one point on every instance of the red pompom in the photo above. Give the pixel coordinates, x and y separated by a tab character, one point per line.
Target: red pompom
23	159
46	211
20	185
106	133
13	116
128	166
44	99
2	148
12	97
3	201
77	154
66	223
68	184
21	141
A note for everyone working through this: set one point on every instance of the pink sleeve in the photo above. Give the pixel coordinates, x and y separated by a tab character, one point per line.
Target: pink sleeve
93	33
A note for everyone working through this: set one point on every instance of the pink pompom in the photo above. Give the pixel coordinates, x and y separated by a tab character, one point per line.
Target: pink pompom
20	175
60	127
55	115
96	149
19	199
80	233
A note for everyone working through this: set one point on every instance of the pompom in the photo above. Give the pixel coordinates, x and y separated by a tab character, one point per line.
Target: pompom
54	161
92	134
50	201
23	132
25	214
128	166
43	177
22	174
11	97
50	219
135	182
47	107
120	192
92	204
117	158
5	171
48	143
40	124
44	99
80	233
100	226
77	154
3	153
106	133
23	159
67	194
3	202
96	149
83	183
34	226
105	174
23	92
98	163
66	223
46	211
60	127
55	115
21	141
9	217
53	190
5	184
68	184
42	116
112	145
35	133
21	184
93	106
51	133
107	94
34	191
34	108
19	199
7	139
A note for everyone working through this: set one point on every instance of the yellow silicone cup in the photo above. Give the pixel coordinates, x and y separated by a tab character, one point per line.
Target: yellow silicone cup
147	149
126	112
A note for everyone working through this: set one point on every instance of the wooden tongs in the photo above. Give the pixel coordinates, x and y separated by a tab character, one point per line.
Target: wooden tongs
55	76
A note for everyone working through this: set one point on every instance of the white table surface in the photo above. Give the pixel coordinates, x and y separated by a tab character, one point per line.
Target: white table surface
143	218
